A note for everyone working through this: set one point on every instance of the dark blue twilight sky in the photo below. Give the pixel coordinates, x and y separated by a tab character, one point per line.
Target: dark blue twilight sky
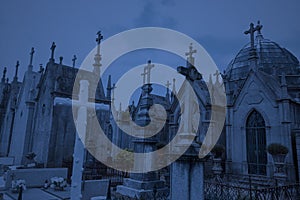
217	25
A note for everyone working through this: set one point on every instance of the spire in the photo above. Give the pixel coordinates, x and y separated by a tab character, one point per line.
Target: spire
4	75
53	46
30	66
97	57
108	88
74	60
16	72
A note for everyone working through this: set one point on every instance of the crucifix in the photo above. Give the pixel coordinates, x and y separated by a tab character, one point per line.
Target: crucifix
251	31
190	54
52	50
74	60
31	56
147	70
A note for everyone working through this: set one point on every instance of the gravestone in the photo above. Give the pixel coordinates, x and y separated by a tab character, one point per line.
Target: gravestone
96	189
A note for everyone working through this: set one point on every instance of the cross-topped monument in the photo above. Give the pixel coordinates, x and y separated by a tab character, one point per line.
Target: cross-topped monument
190	58
97	57
53	46
74	60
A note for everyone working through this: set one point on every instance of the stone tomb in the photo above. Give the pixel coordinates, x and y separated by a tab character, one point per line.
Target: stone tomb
34	177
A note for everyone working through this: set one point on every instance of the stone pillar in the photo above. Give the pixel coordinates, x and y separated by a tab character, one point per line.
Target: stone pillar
187	179
143	185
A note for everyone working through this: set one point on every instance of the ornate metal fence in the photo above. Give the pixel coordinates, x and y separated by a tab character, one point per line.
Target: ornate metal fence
222	191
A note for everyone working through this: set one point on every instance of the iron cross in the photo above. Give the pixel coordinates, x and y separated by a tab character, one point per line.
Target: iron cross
74	60
251	31
99	38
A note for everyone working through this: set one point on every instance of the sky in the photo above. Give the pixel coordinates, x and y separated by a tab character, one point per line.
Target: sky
217	25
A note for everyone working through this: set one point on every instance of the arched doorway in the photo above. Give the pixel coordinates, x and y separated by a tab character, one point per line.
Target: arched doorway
256	143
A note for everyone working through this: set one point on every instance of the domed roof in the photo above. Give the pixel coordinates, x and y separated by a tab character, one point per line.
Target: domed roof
271	58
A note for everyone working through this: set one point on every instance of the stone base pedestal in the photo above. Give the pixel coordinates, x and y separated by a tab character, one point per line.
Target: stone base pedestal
142	189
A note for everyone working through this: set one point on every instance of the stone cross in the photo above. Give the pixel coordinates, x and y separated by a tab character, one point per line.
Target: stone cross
74	60
251	31
190	54
31	55
148	70
53	46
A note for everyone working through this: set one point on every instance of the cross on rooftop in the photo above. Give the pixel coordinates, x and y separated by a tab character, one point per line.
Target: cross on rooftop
99	38
251	31
74	60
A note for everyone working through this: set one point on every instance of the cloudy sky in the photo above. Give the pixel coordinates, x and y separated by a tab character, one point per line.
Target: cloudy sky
217	25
